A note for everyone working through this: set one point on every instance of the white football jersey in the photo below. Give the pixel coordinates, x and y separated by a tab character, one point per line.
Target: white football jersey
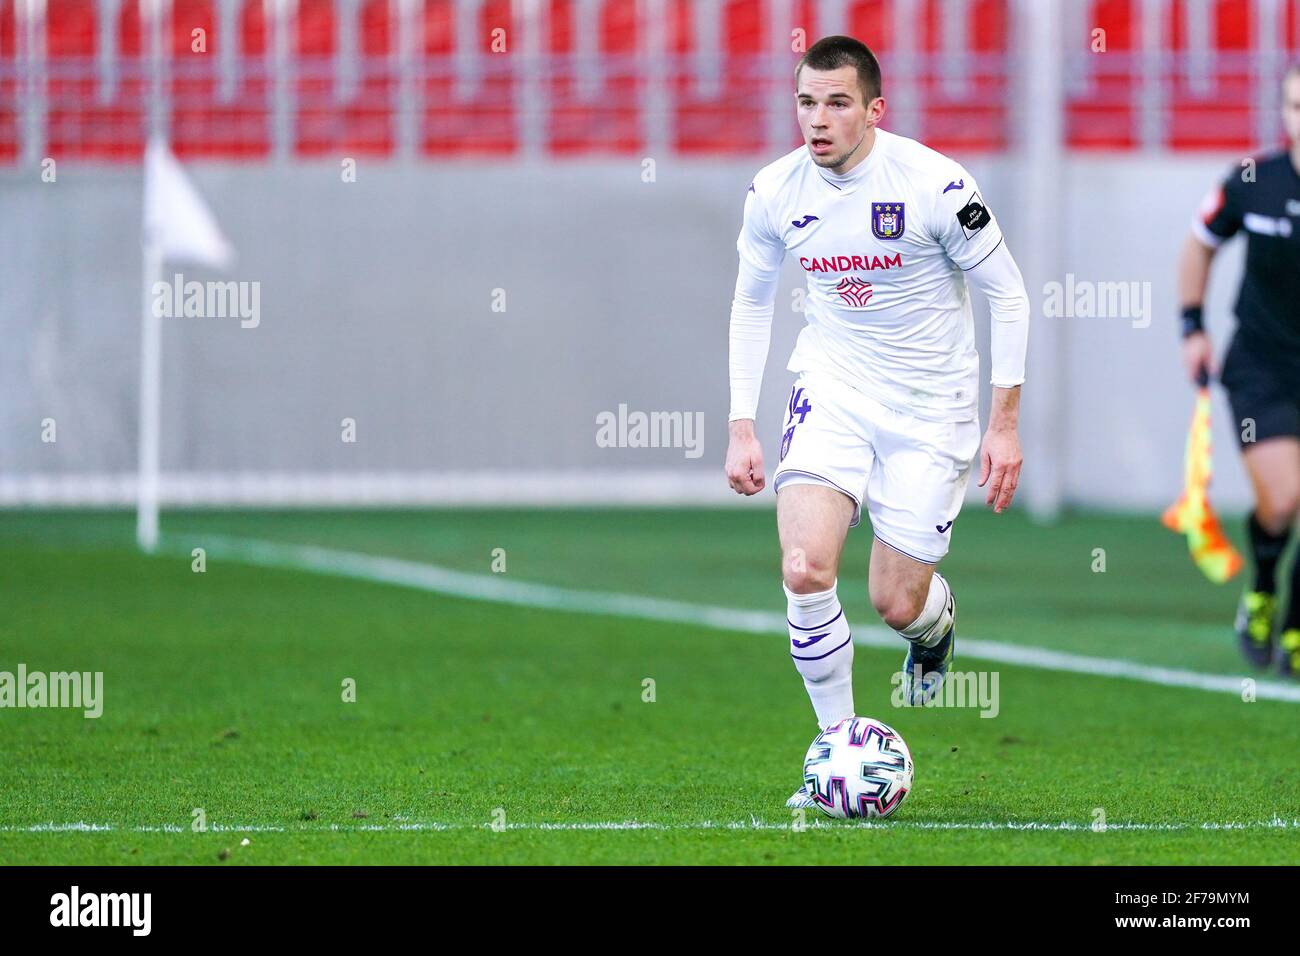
883	250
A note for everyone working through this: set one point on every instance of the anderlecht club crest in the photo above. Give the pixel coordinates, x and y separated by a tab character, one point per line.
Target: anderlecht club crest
887	220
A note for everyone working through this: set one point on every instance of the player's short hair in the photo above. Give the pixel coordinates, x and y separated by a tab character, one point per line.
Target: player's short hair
831	53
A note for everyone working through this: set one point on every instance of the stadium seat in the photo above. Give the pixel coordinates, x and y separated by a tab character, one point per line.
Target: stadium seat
84	121
973	117
356	119
609	120
721	122
342	107
1101	110
204	122
485	122
314	49
370	120
872	22
9	144
1220	117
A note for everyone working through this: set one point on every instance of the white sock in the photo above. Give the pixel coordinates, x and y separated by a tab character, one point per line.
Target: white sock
936	617
822	648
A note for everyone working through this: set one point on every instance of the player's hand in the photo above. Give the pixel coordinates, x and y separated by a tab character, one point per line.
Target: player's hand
744	459
1198	356
1000	466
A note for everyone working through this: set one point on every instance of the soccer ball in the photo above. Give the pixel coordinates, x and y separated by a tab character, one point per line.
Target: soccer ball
858	767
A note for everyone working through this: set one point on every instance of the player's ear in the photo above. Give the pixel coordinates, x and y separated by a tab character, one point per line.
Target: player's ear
876	110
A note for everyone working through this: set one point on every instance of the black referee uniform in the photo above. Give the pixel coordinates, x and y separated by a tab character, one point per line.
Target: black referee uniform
1262	368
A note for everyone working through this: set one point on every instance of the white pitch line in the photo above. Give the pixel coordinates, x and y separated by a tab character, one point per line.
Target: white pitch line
1064	826
497	589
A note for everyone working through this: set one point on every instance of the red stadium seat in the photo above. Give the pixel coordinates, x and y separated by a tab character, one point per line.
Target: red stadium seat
314	48
83	121
362	121
973	118
194	49
872	22
732	120
9	144
204	123
1103	113
610	119
1220	119
486	121
102	115
369	121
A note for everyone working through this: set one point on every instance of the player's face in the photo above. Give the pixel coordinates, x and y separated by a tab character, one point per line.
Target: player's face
834	115
1291	108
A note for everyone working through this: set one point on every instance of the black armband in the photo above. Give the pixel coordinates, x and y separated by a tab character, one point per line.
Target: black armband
1193	321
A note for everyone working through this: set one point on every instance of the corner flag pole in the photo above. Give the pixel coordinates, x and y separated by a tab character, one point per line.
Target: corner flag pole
177	226
146	515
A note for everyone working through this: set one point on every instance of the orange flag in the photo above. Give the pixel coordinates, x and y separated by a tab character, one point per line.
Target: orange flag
1191	514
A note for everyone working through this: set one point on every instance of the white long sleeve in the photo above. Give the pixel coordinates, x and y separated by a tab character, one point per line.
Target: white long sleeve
761	254
998	277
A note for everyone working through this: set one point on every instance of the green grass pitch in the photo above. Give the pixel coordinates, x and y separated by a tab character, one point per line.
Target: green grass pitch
224	691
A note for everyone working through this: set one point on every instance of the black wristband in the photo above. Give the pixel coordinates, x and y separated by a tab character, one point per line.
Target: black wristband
1192	320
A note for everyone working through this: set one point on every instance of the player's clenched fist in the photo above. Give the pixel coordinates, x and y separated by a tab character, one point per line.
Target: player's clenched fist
744	459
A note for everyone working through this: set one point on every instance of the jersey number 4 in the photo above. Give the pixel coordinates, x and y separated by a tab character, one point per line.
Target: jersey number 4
798	406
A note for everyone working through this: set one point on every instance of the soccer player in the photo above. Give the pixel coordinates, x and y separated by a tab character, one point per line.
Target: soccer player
1261	370
884	411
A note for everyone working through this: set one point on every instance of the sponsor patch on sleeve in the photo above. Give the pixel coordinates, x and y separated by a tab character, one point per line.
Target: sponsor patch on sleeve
973	216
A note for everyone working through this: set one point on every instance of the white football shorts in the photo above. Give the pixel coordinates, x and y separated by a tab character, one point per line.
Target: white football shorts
911	472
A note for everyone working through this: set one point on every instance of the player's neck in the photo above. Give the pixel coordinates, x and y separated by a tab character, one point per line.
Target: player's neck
859	155
1295	157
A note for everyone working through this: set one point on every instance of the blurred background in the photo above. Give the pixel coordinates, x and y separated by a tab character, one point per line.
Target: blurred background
476	227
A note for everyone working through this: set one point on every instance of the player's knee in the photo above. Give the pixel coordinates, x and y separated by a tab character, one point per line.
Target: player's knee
897	610
805	573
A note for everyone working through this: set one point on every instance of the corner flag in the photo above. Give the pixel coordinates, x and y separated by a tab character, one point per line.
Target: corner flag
177	226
